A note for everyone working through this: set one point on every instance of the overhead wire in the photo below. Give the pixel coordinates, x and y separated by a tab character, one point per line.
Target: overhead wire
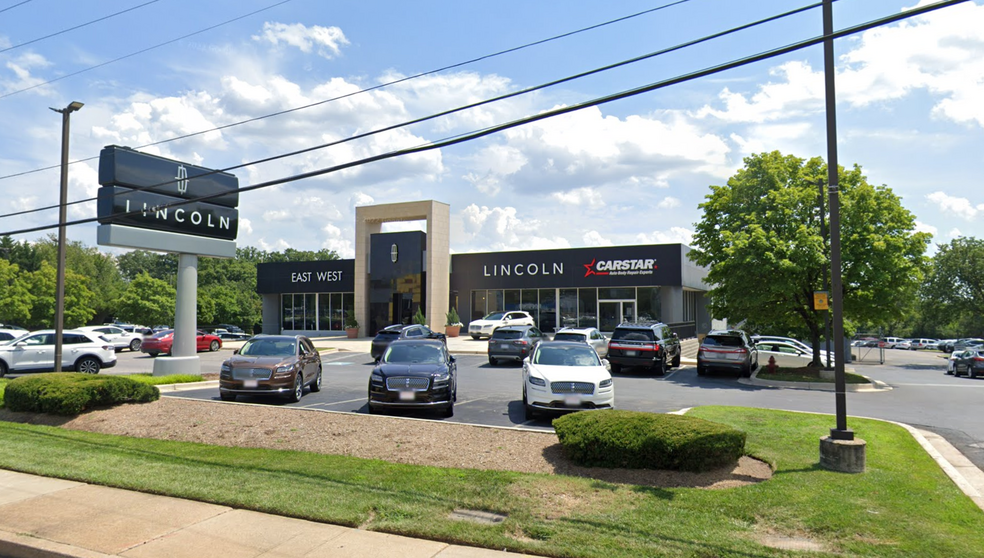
81	25
14	6
141	51
368	89
460	138
464	107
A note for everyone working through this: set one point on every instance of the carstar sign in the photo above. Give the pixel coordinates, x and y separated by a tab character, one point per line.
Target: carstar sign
645	266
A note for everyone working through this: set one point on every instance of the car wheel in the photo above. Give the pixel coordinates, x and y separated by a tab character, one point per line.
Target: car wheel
949	372
227	396
701	370
3	369
316	384
134	345
493	361
676	361
88	365
449	410
476	337
529	412
213	346
971	372
616	368
298	391
660	368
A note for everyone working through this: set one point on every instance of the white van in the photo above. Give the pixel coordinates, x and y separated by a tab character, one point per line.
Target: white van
889	342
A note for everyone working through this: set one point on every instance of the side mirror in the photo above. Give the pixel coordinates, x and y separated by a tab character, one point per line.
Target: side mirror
451	359
235	351
608	365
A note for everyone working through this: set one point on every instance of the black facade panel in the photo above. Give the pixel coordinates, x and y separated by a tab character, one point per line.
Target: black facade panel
396	288
610	266
333	276
122	166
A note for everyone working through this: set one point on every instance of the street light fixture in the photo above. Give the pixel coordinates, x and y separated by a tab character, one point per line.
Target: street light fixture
62	203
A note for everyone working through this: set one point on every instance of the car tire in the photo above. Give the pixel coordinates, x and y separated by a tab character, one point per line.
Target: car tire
449	410
3	369
88	365
971	373
528	411
676	361
134	345
701	370
213	346
493	361
660	368
316	384
227	396
616	368
476	337
298	391
948	372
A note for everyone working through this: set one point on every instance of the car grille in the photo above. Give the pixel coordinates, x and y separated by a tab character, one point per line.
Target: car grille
585	388
403	383
251	373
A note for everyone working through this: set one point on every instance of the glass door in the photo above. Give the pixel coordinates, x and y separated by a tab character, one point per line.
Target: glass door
613	312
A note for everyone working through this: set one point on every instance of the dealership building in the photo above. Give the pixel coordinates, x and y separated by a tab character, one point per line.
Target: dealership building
394	274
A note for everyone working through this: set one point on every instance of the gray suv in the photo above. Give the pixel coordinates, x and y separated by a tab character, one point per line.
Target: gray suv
649	345
730	350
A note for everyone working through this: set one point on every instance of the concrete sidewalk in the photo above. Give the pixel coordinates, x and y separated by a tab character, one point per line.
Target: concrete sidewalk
42	517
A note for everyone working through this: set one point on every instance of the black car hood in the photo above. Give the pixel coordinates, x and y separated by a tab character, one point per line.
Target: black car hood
406	369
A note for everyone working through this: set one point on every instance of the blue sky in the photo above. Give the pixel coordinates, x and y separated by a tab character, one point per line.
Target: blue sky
628	172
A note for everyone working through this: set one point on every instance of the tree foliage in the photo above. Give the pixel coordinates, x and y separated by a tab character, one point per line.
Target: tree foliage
761	237
954	291
16	302
147	300
79	299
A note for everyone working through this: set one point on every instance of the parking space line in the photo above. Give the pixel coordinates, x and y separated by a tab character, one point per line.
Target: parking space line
471	400
334	402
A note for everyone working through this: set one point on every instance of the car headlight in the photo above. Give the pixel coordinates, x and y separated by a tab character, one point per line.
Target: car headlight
376	378
605	383
441	378
226	367
284	370
537	381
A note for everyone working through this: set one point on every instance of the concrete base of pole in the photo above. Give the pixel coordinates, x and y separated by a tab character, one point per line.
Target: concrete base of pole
845	456
165	366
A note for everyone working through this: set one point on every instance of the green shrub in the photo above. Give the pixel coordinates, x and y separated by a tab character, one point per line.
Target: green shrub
70	393
147	378
635	440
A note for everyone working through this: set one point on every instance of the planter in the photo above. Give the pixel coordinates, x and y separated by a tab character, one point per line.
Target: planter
452	331
352	332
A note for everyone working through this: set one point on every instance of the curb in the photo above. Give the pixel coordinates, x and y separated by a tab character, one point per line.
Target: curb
873	386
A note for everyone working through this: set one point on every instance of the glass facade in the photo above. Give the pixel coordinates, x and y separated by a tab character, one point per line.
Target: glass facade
315	311
552	309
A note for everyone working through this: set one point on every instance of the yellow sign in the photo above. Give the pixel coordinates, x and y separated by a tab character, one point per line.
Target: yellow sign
820	300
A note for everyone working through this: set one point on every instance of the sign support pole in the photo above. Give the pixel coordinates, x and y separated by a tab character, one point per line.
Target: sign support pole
184	351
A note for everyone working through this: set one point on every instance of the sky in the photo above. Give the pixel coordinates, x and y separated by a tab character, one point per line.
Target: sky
632	171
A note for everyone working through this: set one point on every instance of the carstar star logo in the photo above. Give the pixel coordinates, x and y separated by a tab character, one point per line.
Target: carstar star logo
591	269
645	266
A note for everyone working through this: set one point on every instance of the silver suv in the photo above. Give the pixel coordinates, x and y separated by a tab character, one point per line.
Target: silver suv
589	335
729	349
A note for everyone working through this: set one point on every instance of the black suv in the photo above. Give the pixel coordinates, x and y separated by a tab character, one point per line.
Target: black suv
651	345
391	333
729	349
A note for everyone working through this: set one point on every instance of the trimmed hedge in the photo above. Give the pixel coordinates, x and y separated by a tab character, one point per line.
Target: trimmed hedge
69	393
636	440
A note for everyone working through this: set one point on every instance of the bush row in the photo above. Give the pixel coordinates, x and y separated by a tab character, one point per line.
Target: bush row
635	440
70	393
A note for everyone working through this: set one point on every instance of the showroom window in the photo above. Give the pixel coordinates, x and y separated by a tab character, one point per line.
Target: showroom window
649	304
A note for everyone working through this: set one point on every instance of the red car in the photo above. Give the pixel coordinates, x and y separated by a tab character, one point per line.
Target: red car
161	342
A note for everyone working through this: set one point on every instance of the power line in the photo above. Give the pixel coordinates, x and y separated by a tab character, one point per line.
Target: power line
360	91
14	6
200	31
468	106
63	31
461	138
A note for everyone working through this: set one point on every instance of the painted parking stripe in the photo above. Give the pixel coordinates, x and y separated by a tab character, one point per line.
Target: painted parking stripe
314	405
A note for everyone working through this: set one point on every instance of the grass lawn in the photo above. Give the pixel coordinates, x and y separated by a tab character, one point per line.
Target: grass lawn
806	374
902	506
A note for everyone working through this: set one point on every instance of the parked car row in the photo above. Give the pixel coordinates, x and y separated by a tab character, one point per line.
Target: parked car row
82	351
969	362
162	342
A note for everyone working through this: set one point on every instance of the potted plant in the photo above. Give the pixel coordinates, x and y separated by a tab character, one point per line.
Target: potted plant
351	326
452	325
419	317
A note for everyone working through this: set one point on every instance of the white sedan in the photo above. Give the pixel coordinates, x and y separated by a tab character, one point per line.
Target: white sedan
119	337
787	355
484	327
566	376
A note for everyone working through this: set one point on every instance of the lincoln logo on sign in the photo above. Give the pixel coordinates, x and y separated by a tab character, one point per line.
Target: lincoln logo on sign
621	267
182	179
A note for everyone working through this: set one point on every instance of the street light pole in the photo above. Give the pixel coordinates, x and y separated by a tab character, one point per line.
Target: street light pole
62	203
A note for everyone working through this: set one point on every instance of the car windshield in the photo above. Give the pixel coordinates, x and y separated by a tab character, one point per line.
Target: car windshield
564	336
163	334
494	316
724	340
413	354
507	334
269	347
566	356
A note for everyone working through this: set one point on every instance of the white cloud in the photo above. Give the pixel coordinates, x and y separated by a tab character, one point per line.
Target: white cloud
594	238
954	233
335	240
673	236
961	207
669	202
586	197
328	40
799	92
20	67
501	228
245	226
923	227
361	198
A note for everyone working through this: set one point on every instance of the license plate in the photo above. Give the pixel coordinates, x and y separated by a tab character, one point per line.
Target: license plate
631	353
407	396
572	401
734	356
250	383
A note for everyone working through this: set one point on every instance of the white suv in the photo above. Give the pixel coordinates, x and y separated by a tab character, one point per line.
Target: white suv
82	351
119	337
484	327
